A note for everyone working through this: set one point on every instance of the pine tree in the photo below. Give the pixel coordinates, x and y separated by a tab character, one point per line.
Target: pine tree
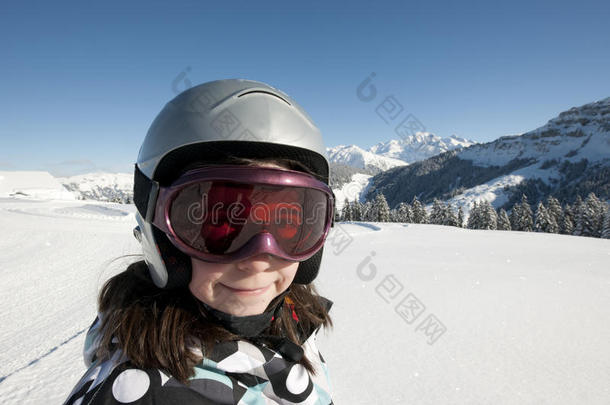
487	216
526	220
346	212
383	210
460	217
555	211
567	223
356	209
544	222
503	221
404	212
419	214
515	214
373	212
473	217
594	216
606	225
368	212
436	216
393	215
424	215
451	218
577	212
553	226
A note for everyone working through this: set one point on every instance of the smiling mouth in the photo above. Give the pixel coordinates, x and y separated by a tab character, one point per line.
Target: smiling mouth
247	291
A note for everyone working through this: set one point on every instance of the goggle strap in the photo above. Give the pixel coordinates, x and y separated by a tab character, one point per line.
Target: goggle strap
332	218
152	201
145	192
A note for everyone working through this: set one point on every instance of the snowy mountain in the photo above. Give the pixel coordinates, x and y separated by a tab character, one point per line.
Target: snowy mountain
352	155
420	146
394	153
113	187
569	155
443	315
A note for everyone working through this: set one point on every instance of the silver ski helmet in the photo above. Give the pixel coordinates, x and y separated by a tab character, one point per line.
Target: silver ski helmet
213	122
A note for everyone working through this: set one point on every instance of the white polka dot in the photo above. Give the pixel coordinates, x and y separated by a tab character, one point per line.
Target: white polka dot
130	385
297	380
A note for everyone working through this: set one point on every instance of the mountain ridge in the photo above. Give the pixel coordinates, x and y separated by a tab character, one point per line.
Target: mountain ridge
568	155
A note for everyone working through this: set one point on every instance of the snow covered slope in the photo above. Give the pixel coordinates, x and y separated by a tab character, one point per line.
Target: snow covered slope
423	313
352	190
114	187
37	185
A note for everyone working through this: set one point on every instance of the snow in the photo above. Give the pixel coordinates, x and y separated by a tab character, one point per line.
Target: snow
37	185
90	181
355	156
54	258
579	133
526	315
101	186
396	152
352	190
492	192
419	146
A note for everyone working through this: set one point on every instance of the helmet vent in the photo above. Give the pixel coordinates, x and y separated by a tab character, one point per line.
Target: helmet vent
264	92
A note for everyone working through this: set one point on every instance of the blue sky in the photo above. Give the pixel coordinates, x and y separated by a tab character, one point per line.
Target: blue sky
81	84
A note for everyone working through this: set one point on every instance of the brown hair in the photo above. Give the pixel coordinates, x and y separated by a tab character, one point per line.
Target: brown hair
157	328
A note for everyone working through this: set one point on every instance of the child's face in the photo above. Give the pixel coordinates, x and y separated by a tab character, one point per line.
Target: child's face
241	288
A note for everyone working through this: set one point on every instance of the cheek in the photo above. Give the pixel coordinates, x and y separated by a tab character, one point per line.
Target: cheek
288	274
204	276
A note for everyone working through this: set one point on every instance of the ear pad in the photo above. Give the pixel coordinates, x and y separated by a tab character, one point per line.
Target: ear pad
178	264
308	269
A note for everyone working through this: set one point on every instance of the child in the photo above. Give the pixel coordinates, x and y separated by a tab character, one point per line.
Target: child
233	208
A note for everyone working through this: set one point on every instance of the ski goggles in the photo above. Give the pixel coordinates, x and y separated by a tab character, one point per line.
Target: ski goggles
226	213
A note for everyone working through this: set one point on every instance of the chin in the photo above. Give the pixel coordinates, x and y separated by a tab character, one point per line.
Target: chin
239	306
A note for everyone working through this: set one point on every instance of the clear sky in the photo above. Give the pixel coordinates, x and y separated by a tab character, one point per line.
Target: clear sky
80	84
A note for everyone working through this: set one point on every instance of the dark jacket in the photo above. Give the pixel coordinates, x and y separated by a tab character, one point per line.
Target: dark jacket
236	372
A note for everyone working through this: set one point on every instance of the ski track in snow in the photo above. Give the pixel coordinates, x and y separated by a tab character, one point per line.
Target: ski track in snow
526	315
79	333
367	225
53	261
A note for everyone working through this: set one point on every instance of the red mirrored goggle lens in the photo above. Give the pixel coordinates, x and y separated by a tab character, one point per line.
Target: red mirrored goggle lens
220	217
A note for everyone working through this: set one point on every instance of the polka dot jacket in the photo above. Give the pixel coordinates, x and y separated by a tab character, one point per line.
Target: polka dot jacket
237	372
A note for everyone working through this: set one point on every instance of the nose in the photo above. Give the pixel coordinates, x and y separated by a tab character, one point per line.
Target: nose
256	264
